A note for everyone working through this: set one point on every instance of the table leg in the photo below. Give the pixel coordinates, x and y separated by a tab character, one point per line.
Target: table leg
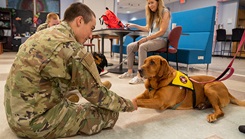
120	70
110	64
103	44
111	46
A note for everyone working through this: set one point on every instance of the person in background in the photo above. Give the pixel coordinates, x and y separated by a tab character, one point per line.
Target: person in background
157	24
51	20
48	65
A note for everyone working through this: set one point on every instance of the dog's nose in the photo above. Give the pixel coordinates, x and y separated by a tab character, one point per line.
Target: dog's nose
140	72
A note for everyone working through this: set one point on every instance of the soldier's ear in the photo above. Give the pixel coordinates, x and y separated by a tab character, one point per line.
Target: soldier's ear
79	20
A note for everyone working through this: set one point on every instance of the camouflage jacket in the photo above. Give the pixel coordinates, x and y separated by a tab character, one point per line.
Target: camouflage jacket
42	26
47	66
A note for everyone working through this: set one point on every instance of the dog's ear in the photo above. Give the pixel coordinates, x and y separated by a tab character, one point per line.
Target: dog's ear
163	67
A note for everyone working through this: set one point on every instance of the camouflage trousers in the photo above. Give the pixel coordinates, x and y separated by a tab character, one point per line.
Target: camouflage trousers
76	119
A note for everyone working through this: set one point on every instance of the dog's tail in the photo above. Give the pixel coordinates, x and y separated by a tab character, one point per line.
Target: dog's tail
236	101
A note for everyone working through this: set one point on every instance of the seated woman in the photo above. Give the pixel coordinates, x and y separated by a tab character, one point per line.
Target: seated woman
158	17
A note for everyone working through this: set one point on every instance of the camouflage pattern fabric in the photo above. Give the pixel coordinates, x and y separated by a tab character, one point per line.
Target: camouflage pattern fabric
42	26
49	64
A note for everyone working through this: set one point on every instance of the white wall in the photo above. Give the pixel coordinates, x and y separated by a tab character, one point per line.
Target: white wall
64	4
229	18
98	6
137	15
123	17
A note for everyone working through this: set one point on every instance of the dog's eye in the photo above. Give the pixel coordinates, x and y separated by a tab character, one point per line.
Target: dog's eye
152	63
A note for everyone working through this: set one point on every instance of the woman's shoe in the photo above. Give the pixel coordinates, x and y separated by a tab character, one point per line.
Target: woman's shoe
242	128
126	75
136	80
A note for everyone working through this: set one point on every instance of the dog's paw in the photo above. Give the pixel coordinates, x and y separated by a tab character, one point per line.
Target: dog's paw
202	106
211	118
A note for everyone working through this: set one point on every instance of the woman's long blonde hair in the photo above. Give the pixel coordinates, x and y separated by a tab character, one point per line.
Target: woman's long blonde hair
157	16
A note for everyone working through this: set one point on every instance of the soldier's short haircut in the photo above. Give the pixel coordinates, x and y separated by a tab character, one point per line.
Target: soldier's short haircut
78	9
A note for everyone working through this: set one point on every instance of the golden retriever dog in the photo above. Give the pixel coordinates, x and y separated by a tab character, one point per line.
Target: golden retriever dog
162	94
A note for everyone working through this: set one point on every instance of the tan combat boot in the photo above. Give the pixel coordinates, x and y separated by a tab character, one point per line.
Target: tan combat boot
74	98
107	84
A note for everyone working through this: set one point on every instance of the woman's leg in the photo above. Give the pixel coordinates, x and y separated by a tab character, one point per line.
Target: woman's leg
131	49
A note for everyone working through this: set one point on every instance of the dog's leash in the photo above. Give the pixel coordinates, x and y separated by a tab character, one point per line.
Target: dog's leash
229	67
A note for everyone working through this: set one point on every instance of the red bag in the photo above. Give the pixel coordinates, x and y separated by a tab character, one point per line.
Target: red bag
111	20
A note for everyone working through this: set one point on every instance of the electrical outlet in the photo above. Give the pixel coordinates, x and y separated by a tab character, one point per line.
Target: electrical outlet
200	57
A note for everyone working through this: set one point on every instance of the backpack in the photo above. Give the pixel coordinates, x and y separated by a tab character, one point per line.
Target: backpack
111	20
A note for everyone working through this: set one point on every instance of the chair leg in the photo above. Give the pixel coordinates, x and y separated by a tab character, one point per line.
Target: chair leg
98	45
230	47
215	47
229	51
241	51
222	49
177	66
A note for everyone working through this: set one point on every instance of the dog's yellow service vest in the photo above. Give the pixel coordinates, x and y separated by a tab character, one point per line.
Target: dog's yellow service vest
182	80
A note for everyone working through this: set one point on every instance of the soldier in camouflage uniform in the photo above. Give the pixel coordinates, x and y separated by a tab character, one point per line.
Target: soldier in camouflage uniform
51	20
47	66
